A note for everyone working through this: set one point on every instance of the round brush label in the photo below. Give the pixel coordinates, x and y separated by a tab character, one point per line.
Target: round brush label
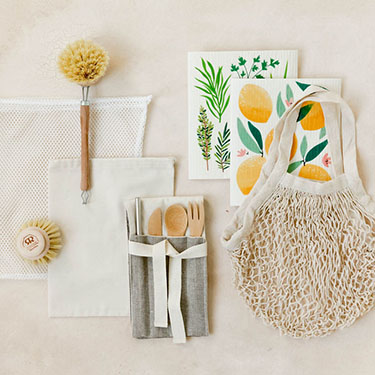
31	243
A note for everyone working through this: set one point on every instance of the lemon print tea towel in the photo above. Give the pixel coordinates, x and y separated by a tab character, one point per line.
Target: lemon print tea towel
256	107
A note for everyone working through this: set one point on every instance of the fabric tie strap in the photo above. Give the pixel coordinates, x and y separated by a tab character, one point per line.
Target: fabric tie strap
168	300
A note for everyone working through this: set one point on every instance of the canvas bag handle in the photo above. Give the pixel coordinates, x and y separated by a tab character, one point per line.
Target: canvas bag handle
234	232
344	157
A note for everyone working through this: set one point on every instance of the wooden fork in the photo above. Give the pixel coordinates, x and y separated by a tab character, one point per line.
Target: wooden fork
196	219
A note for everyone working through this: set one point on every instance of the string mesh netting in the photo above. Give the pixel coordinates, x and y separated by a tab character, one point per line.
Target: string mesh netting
36	131
308	265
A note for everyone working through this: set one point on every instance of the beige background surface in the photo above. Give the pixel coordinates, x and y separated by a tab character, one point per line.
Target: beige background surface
148	42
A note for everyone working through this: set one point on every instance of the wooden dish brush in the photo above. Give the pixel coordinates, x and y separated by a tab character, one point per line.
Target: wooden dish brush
84	62
39	241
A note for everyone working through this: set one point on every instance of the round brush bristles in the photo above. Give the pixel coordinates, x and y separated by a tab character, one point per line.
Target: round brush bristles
83	62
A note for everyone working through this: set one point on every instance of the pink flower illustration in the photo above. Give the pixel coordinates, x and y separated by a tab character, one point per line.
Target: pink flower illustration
289	103
241	152
326	160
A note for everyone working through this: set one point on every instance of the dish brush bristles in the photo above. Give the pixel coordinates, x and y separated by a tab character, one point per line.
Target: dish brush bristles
83	62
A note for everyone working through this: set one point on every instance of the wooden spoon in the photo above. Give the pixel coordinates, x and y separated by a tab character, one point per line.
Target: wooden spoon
176	220
154	223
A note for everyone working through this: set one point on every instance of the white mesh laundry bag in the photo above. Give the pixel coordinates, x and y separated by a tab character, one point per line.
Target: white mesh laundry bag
34	131
303	251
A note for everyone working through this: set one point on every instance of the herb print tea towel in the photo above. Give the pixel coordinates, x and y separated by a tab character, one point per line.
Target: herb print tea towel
256	108
209	78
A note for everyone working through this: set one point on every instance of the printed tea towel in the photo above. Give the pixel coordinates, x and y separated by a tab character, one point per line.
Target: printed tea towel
34	131
210	77
90	275
257	106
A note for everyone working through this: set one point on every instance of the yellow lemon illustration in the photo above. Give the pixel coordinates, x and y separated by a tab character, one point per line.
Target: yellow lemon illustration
314	120
255	103
313	172
248	173
269	139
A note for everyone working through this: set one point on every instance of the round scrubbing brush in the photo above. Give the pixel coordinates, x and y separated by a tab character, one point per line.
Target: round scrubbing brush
39	241
84	62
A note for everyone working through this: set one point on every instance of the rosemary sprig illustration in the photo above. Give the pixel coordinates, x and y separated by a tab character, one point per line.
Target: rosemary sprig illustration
255	70
204	134
214	87
222	153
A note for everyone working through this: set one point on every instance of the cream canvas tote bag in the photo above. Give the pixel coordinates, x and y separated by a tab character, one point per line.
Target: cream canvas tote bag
90	276
304	251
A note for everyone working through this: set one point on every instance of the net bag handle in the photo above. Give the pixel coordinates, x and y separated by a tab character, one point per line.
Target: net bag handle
278	158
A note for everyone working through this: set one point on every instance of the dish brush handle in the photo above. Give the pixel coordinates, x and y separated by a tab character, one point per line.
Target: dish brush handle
85	117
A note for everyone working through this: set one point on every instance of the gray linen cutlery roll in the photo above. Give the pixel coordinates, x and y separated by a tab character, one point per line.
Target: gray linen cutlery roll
193	290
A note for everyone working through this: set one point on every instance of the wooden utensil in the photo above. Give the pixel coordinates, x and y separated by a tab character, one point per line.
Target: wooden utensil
85	170
175	220
196	219
154	227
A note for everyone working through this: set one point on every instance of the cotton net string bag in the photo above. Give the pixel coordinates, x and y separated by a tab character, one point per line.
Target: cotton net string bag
303	252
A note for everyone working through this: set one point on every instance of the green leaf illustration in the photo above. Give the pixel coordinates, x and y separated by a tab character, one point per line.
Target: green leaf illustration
254	70
222	153
286	69
247	141
219	76
315	151
293	166
322	133
302	86
289	93
303	112
256	134
226	104
303	147
211	69
274	62
280	107
204	89
204	135
241	61
211	105
214	87
205	84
